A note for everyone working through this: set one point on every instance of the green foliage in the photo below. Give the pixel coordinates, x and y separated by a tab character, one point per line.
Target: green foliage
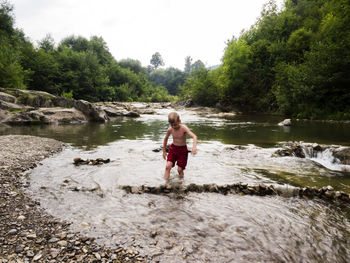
235	73
132	64
171	78
68	95
201	87
299	42
12	74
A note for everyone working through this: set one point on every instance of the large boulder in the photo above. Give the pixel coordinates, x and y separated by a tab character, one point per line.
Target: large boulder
114	112
48	116
92	112
32	98
5	105
343	154
24	117
61	115
7	97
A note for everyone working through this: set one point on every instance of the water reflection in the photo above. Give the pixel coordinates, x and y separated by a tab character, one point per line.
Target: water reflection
259	130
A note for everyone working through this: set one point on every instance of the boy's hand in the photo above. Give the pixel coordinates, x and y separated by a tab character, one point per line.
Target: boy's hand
194	150
164	155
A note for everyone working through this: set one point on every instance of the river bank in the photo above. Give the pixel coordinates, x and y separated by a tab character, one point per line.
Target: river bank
27	232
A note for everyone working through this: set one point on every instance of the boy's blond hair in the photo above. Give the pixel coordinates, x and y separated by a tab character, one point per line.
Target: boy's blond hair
173	117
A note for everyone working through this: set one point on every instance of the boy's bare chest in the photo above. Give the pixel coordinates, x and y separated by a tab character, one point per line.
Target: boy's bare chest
179	134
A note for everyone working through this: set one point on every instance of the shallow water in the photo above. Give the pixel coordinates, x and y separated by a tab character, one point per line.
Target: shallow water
199	227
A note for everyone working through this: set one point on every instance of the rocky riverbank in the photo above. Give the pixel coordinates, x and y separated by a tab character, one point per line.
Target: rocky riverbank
27	232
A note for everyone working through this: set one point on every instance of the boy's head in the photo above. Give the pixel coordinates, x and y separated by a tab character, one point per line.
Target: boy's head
174	120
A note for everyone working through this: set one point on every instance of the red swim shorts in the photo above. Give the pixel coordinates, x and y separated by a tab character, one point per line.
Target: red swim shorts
178	154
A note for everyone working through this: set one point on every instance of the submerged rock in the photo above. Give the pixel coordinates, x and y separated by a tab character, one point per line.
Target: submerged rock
79	161
326	192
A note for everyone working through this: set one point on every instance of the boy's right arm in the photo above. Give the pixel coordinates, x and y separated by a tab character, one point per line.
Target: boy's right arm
165	142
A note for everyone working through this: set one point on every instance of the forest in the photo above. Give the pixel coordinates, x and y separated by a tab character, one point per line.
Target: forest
294	61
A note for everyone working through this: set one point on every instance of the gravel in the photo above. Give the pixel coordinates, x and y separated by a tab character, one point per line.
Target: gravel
27	232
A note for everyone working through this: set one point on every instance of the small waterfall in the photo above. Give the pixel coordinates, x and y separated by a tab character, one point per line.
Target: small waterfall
325	157
336	158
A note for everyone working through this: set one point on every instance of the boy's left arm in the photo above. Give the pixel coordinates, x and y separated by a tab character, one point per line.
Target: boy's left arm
194	137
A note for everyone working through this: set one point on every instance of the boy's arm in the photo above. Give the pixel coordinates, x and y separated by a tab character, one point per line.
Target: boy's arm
165	142
194	137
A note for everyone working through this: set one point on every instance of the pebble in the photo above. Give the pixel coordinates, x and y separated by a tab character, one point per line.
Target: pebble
19	249
31	236
62	243
54	252
53	240
30	253
12	232
97	256
37	257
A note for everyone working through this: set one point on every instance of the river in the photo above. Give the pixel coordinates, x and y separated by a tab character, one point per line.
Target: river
199	227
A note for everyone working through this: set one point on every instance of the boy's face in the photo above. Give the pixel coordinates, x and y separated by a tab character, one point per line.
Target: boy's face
175	125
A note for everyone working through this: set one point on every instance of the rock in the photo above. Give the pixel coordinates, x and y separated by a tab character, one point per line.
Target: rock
12	232
114	112
24	117
31	236
53	240
79	161
153	234
19	249
60	115
286	122
188	103
30	253
21	217
316	147
342	154
147	111
135	190
54	252
62	243
7	97
37	257
9	106
93	113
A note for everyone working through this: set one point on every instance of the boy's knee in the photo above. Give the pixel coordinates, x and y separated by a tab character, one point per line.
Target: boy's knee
168	166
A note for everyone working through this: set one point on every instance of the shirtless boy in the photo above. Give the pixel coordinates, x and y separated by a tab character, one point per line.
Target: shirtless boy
178	149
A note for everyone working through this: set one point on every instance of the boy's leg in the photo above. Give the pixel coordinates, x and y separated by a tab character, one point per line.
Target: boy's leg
180	171
168	167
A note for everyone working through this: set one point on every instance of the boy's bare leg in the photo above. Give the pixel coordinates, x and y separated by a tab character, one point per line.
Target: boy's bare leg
181	172
168	167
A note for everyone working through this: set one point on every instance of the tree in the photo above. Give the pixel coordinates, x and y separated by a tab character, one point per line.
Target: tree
236	62
47	43
133	65
188	64
12	74
171	78
156	60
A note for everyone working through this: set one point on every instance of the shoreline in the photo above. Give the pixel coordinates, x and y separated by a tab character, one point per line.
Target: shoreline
27	232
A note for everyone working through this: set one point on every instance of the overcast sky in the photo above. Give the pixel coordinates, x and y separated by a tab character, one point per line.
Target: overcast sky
138	28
